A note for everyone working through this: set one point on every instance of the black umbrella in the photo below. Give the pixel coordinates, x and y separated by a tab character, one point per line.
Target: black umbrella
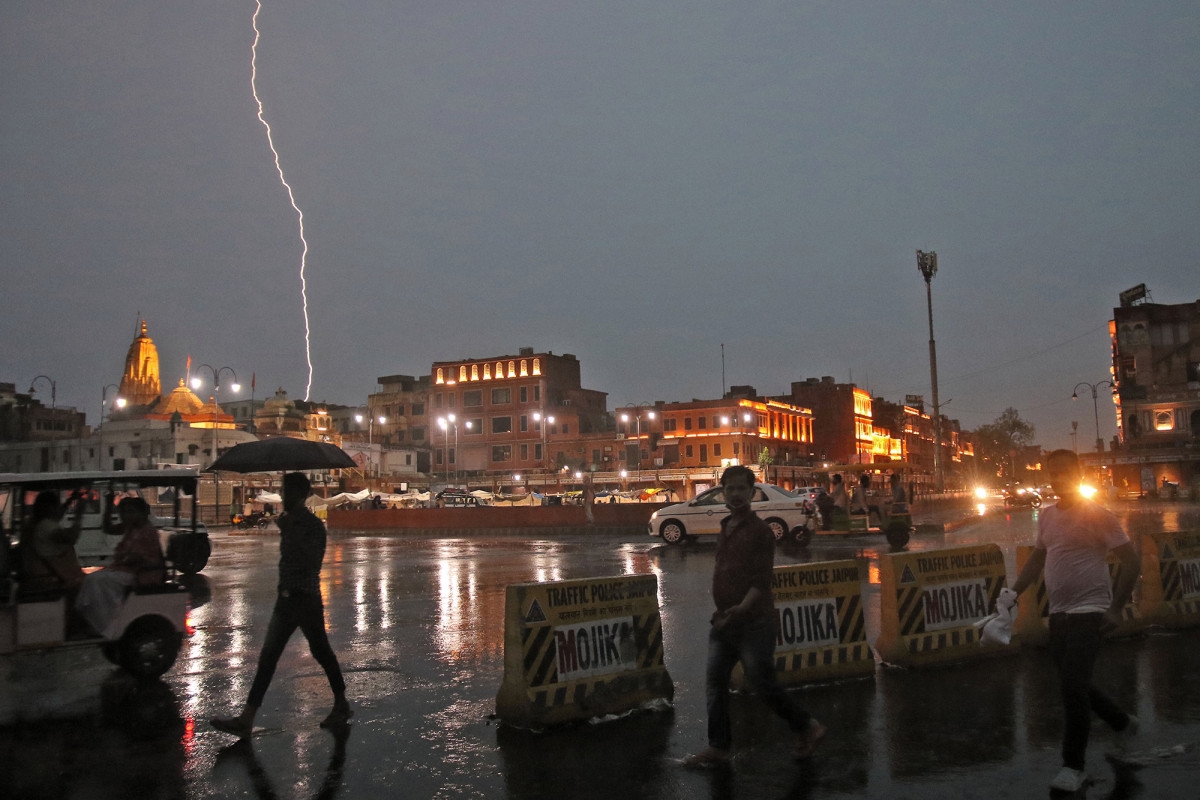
281	454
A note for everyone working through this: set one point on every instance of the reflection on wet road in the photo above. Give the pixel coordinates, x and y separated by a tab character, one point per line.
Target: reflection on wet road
418	625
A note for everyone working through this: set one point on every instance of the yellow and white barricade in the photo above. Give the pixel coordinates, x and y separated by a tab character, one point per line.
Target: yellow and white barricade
931	600
1033	609
579	649
1171	579
821	632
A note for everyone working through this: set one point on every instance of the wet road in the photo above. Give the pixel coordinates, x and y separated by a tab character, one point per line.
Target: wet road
418	625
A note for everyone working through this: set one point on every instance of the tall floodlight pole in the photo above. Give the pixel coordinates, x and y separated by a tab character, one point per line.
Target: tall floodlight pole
927	263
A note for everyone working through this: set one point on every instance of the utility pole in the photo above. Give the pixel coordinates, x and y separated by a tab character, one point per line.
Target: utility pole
927	264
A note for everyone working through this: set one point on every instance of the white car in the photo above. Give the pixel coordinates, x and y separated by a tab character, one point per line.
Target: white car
784	511
809	493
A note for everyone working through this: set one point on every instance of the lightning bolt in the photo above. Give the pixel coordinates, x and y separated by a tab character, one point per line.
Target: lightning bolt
291	196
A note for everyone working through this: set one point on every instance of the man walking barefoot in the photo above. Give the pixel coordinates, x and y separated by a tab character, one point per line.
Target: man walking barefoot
298	605
743	626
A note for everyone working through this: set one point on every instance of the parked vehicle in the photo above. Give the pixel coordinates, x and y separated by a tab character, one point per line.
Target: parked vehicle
788	515
455	498
145	636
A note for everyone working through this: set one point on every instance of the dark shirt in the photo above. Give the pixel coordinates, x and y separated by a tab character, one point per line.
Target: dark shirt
301	551
745	559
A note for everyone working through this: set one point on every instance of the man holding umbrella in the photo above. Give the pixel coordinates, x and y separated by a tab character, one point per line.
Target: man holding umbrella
298	605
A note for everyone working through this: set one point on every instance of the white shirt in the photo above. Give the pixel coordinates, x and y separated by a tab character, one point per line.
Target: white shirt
1077	542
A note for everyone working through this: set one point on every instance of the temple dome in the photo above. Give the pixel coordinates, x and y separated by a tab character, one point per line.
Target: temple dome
181	399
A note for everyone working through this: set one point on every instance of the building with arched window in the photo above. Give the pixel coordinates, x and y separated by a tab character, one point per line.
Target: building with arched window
1155	393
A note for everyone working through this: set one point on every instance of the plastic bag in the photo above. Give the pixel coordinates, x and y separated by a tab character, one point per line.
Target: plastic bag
997	628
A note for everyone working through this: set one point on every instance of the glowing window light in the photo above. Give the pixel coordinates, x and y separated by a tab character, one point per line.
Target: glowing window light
524	368
537	366
487	372
441	378
512	369
474	372
462	372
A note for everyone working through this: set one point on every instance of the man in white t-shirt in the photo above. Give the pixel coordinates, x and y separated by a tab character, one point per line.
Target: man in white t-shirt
1074	539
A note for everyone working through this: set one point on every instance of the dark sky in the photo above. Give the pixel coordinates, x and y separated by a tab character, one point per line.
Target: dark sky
635	183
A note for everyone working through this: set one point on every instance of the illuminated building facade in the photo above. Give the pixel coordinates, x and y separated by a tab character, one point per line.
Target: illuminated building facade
1156	394
843	428
503	415
733	430
520	413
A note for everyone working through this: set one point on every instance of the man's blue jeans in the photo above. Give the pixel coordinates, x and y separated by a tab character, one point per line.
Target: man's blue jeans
1074	644
754	645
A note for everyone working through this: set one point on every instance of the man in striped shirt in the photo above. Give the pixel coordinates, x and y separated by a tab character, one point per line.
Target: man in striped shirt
298	605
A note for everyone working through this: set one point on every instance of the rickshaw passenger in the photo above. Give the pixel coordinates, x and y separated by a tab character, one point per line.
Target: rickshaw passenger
48	561
137	561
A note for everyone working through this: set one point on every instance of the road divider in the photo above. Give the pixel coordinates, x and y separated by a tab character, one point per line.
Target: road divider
821	628
931	600
1170	593
579	649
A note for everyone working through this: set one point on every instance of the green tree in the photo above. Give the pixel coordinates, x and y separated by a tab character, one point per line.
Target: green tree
999	444
765	460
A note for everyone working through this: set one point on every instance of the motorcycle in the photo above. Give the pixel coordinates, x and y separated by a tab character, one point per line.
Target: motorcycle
255	519
1022	497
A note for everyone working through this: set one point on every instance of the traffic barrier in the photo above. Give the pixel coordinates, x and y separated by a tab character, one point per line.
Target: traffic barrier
579	649
822	632
1033	608
930	600
1171	579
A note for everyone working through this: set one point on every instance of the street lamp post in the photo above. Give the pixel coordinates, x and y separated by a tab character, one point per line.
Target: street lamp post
1095	407
446	423
216	372
927	264
119	402
544	421
370	435
53	388
637	412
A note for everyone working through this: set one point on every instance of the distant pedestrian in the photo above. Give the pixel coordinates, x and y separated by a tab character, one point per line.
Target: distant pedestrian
1074	539
743	626
298	605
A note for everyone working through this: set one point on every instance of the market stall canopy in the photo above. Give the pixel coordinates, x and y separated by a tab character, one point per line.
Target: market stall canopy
281	454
